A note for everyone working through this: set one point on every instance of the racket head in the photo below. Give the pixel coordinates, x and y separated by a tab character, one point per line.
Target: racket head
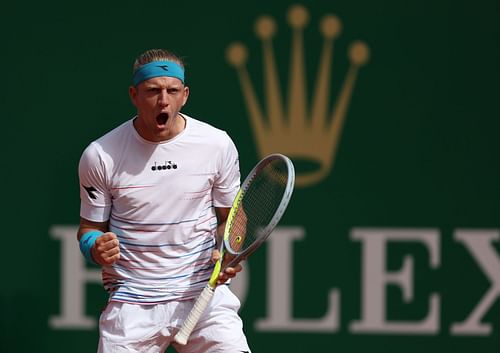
259	205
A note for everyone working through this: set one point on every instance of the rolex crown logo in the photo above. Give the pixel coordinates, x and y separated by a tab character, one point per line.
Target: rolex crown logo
305	132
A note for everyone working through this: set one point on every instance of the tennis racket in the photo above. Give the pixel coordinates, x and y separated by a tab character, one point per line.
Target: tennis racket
256	210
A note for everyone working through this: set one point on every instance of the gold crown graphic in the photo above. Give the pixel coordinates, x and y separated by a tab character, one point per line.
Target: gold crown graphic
301	134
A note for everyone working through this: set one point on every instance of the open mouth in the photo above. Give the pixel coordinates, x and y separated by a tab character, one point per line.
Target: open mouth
162	118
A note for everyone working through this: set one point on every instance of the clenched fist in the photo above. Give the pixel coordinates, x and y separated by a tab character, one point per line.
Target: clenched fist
106	250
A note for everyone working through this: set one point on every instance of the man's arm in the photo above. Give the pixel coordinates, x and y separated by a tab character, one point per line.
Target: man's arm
106	250
222	214
229	272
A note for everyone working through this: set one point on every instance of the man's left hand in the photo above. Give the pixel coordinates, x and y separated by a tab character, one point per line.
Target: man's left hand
228	272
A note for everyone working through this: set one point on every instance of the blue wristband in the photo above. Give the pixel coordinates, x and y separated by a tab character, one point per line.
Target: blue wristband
87	241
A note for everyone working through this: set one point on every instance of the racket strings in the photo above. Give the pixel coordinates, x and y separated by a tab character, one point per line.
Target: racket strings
258	205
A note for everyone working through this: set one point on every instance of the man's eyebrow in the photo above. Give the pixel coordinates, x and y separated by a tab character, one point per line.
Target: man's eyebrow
153	85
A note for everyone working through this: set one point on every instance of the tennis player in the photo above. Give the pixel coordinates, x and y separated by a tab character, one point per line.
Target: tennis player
154	193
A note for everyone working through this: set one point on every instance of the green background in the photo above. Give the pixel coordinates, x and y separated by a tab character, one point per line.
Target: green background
419	149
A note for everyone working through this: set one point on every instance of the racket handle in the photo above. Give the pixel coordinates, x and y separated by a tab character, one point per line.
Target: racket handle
194	315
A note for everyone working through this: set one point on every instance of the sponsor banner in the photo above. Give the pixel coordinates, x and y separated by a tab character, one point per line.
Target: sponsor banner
388	111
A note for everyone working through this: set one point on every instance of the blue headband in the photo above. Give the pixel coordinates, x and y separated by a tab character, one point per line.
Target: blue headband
158	69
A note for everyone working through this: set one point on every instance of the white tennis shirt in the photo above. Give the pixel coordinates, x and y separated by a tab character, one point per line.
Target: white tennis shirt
160	200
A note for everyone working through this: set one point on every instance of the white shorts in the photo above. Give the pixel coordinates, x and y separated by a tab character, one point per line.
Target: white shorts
128	328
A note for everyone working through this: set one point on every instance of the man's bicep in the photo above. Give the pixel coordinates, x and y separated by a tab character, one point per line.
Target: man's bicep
94	192
222	214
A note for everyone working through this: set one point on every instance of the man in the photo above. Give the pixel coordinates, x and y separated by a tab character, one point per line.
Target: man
155	192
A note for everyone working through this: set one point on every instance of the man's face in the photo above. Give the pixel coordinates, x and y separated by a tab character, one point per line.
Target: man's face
158	102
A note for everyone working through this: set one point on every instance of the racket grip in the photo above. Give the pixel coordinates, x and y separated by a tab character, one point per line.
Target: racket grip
194	315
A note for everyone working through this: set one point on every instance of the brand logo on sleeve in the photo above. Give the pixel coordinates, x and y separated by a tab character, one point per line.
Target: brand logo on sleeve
91	191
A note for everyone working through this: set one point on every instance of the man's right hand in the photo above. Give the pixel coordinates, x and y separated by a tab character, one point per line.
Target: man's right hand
106	250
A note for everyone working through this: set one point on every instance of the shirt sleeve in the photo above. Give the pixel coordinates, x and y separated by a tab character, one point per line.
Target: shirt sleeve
95	199
227	182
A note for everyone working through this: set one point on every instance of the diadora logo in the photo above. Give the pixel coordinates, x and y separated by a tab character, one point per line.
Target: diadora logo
164	67
166	165
91	191
308	133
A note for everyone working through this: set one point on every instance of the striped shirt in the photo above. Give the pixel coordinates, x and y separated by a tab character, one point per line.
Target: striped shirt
159	199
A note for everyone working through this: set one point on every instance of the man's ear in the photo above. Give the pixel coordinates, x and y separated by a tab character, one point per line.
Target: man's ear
132	92
186	95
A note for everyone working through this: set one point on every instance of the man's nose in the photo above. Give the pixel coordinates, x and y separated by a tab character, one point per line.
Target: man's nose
163	98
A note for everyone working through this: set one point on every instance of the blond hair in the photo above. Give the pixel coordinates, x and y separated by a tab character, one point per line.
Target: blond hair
156	55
